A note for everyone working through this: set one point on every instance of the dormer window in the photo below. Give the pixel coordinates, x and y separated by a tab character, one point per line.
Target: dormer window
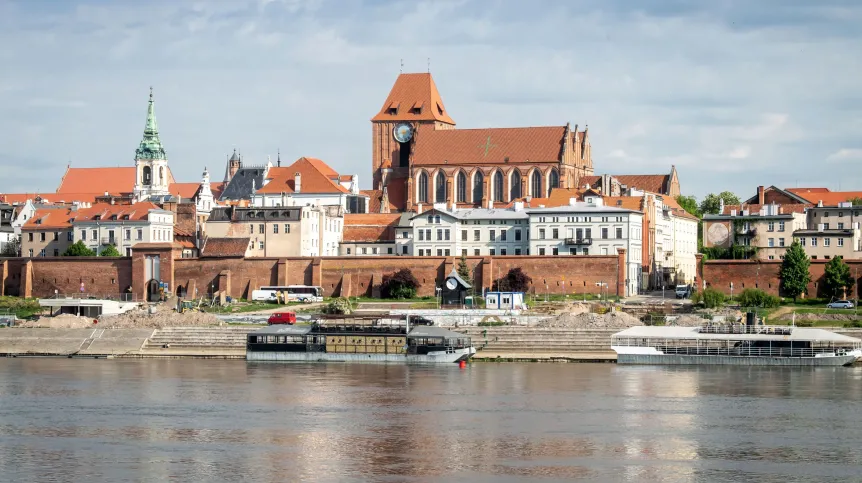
417	108
251	214
97	217
439	109
125	217
393	108
113	217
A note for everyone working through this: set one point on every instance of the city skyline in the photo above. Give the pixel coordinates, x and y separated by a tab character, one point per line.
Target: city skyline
734	97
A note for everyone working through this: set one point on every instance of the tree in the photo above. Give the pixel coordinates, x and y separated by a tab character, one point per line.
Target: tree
11	248
709	297
855	201
794	270
463	269
711	203
514	281
838	277
400	285
78	249
689	204
110	251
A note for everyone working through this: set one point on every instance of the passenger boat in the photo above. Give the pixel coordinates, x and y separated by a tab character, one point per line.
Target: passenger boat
736	344
358	343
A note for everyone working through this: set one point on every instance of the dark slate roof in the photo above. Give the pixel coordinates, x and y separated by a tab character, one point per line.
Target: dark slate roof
454	274
242	214
243	184
225	247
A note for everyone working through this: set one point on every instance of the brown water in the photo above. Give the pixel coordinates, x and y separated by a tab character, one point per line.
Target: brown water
198	420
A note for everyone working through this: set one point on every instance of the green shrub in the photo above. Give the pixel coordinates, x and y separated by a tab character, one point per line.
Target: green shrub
709	298
754	297
804	323
400	285
855	323
340	305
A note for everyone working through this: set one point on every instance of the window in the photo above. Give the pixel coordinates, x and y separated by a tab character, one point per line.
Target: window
841	226
476	252
446	233
517	251
428	234
111	235
128	234
604	233
286	228
348	251
541	233
840	214
464	252
555	233
463	235
536	184
439	233
364	250
813	241
556	251
826	226
802	241
70	236
95	234
56	236
502	235
492	235
251	227
275	228
770	226
619	233
421	235
140	234
553	180
826	242
405	234
439	252
573	251
541	251
478	184
827	257
446	252
422	188
374	250
462	187
518	235
404	250
42	252
771	242
840	242
493	252
498	186
476	235
437	219
781	242
30	236
56	252
430	219
502	251
772	257
30	253
814	257
440	188
261	228
260	245
515	185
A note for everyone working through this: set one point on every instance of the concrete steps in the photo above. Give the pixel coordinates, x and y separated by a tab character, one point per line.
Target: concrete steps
230	337
505	340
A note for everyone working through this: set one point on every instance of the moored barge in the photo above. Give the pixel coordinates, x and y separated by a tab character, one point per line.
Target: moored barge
358	343
735	344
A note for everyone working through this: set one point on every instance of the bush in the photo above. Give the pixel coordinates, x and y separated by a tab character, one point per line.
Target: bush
400	285
340	305
78	249
804	323
514	281
709	297
754	297
854	324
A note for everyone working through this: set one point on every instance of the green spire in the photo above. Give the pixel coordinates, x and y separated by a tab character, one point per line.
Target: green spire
151	145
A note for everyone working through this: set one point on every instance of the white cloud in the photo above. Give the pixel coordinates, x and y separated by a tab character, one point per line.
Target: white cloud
846	154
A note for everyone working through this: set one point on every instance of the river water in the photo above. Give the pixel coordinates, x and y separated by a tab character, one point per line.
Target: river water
202	420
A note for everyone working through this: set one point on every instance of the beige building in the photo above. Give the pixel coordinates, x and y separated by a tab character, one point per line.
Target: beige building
832	231
286	231
766	229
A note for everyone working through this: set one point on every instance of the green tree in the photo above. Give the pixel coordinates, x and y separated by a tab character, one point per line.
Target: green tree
78	249
109	251
710	204
514	281
709	297
463	269
855	201
400	285
794	270
11	248
689	204
838	277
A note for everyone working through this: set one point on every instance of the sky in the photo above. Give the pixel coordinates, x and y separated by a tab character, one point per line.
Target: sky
735	94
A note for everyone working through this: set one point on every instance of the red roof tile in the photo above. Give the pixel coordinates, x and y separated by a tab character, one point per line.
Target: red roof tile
99	180
412	91
375	199
829	198
49	218
185	190
370	227
488	146
217	188
225	247
313	178
656	183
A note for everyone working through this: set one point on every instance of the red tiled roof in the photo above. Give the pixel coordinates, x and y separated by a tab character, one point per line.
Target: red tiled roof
48	218
755	208
802	191
225	247
49	197
98	180
488	146
628	202
184	190
592	181
677	209
314	179
413	91
217	188
656	183
370	227
829	198
375	199
358	219
397	188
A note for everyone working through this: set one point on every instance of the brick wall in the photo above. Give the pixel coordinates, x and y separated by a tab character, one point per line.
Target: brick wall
763	274
100	275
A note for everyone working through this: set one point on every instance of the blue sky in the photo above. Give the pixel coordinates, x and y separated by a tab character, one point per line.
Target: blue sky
734	93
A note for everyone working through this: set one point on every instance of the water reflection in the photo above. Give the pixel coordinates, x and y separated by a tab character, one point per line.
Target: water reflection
232	421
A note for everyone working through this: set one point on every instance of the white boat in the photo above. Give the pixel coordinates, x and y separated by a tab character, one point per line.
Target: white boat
358	343
735	344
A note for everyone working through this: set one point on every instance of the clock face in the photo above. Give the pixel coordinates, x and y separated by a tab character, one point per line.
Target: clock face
403	132
451	284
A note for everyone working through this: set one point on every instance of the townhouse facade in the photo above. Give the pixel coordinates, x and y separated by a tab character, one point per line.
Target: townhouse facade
832	231
449	231
764	231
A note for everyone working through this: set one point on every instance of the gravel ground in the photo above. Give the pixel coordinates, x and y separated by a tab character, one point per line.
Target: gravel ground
137	319
611	320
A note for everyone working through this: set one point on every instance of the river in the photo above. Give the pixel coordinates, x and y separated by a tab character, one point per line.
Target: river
211	420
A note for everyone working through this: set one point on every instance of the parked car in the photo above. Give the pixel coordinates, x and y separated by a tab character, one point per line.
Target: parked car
288	318
840	304
419	320
683	291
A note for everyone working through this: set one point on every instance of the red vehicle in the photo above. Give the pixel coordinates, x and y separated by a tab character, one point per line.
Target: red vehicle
288	318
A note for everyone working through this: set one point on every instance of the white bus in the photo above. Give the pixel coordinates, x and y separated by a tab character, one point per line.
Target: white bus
294	293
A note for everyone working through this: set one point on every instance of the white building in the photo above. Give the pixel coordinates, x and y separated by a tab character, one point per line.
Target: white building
589	228
444	231
682	255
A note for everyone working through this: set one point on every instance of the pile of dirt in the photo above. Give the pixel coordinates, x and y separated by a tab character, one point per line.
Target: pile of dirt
688	320
140	319
587	320
64	321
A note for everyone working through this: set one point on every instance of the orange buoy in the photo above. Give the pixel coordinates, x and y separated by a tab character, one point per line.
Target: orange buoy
462	364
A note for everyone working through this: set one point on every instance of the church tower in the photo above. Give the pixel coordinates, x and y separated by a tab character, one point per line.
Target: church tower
151	163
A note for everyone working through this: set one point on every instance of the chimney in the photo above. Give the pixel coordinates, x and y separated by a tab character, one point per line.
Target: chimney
490	204
572	201
760	197
820	227
384	200
518	206
721	206
820	203
419	209
297	182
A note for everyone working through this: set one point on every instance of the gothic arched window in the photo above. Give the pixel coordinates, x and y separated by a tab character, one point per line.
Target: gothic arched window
498	186
553	180
162	175
461	187
147	176
536	184
440	188
478	185
515	188
422	188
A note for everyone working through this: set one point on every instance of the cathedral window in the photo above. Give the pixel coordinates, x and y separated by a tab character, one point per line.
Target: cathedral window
440	188
461	188
478	184
515	189
147	175
422	187
536	184
498	186
553	180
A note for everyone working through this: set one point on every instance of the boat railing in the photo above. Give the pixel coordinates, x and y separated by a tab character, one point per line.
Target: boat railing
745	329
755	351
